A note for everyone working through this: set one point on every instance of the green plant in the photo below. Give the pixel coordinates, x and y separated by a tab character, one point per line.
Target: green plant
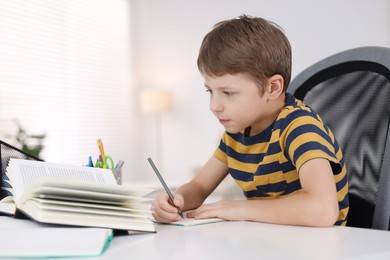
29	143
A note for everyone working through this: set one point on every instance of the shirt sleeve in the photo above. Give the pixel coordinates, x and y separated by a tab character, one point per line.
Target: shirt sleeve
305	137
220	152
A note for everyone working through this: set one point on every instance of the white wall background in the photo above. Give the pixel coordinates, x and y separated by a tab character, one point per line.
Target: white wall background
165	39
166	36
65	72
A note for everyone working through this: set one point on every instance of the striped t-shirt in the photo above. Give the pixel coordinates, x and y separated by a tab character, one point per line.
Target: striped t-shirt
266	165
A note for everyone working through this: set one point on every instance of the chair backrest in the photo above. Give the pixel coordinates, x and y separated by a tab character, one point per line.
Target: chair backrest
351	92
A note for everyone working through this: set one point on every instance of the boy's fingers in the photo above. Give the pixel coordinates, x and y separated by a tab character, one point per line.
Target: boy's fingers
163	210
165	216
178	201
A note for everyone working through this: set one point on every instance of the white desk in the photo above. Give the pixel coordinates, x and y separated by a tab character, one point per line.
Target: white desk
241	240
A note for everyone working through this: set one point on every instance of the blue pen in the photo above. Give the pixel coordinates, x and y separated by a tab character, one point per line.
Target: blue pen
90	163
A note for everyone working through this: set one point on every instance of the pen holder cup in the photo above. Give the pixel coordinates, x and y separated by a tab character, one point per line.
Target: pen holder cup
118	175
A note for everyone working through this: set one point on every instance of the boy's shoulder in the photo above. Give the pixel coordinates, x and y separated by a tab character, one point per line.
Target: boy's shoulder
295	107
296	113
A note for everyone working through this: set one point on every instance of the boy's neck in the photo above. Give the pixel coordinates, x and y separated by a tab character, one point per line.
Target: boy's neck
275	107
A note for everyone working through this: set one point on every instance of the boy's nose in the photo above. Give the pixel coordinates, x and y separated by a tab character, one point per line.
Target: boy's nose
215	106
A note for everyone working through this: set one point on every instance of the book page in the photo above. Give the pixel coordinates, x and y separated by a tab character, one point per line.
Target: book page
84	206
186	222
7	206
22	173
49	187
75	218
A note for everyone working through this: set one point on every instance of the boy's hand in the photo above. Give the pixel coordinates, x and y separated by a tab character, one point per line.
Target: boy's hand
163	210
227	209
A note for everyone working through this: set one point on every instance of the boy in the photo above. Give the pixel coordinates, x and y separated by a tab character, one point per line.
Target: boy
277	149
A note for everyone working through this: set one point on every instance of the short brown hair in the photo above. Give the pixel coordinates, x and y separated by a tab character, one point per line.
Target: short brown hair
246	45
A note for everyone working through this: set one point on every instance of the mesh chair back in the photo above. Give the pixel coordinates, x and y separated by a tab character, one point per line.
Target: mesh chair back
351	92
6	153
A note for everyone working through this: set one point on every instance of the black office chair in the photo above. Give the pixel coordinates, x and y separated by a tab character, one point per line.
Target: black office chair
351	92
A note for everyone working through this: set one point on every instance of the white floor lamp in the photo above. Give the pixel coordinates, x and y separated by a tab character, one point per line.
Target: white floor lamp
156	102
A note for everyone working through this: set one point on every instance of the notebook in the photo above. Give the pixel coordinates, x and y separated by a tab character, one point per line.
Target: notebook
24	238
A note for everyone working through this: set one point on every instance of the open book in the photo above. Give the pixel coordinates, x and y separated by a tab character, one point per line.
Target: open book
75	195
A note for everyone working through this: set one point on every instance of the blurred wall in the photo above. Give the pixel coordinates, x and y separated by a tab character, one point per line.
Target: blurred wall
166	36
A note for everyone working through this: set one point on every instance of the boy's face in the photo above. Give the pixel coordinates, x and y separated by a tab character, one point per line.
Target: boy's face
237	102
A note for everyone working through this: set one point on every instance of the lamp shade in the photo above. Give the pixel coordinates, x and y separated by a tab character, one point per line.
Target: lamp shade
156	101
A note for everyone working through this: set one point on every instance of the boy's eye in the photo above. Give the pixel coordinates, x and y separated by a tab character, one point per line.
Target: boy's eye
228	93
209	90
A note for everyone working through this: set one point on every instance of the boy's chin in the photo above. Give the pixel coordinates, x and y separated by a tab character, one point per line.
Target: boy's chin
233	131
245	131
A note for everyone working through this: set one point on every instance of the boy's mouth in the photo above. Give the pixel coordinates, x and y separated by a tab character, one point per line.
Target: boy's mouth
223	121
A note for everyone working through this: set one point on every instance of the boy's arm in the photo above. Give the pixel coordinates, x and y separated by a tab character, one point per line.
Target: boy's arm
192	194
316	205
203	184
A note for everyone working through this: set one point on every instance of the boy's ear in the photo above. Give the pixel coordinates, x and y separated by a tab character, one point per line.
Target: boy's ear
275	86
